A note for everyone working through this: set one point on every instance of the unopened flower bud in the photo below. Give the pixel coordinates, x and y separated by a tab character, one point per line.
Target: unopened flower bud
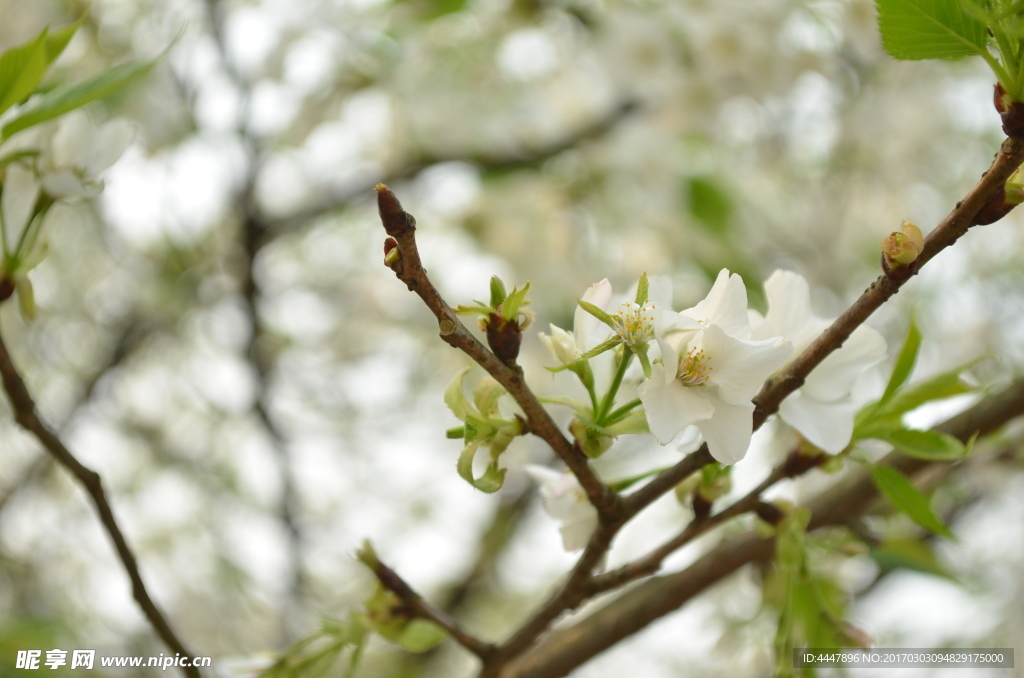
1011	112
901	250
592	443
504	336
392	255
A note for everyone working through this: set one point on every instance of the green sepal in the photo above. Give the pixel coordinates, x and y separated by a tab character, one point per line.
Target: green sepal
908	499
642	290
606	345
498	292
597	313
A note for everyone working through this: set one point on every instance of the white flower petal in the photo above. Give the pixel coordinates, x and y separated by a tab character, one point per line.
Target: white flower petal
588	330
835	376
565	501
725	305
670	406
829	425
561	345
789	311
70	144
740	368
729	431
108	145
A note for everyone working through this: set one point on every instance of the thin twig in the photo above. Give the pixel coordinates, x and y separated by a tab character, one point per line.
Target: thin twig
25	414
418	607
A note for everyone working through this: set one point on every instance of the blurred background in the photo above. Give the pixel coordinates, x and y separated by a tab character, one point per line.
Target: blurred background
218	337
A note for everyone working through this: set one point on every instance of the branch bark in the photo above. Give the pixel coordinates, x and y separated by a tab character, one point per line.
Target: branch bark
25	414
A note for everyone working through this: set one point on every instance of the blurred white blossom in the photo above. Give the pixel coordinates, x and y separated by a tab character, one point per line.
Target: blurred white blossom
566	502
822	409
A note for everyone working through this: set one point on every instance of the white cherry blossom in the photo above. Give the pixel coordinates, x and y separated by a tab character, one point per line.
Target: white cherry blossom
822	409
565	501
709	371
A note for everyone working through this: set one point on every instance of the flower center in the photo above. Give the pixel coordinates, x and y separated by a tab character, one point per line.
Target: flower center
694	368
635	324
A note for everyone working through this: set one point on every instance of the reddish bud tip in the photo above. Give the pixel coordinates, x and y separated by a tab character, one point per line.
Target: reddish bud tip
392	215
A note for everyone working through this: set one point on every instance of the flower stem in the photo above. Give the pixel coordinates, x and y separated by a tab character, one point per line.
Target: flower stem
609	398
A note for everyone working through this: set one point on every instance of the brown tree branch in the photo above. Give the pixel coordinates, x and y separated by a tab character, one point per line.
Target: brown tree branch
25	414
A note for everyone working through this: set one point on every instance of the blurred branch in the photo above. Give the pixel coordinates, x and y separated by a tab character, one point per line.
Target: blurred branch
253	232
25	414
420	608
565	649
486	162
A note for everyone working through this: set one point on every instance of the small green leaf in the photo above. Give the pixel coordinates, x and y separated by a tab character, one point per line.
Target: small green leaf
492	479
908	499
498	292
66	98
514	301
59	39
909	554
905	362
945	385
455	396
21	69
926	445
420	635
929	29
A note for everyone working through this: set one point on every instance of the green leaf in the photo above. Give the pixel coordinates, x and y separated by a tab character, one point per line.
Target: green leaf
455	396
929	29
945	385
21	69
905	362
420	635
926	445
908	499
711	205
59	39
909	554
66	98
514	301
492	479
